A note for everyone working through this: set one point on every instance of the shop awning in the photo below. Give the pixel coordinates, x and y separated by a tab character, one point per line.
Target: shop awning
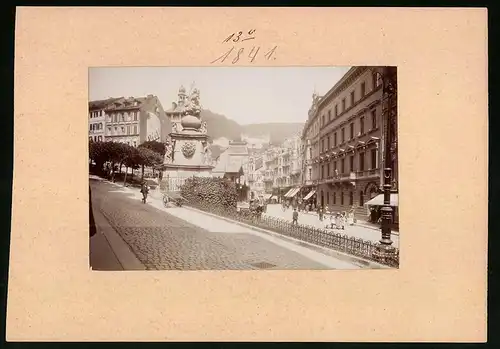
267	196
293	192
288	192
274	197
308	196
379	200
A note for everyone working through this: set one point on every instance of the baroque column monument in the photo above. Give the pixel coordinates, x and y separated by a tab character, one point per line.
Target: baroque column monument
188	151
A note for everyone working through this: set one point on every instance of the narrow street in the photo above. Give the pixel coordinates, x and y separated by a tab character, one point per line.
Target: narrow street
183	239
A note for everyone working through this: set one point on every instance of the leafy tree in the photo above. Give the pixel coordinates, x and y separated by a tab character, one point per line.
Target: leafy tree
148	158
100	153
155	146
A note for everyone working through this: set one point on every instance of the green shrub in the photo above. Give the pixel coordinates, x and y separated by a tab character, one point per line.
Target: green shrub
218	192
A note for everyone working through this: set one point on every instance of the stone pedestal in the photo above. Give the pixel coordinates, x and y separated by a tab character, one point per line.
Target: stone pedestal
189	156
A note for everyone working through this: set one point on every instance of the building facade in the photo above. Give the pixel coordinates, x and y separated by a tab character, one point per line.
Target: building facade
136	120
346	154
310	152
254	168
97	118
282	168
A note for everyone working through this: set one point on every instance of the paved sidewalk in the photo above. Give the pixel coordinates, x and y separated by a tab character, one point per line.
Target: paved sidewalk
357	231
214	224
101	255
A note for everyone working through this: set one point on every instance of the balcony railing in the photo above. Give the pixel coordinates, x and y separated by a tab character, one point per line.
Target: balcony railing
368	173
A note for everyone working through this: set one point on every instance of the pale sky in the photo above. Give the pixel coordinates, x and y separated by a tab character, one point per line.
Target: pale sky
245	95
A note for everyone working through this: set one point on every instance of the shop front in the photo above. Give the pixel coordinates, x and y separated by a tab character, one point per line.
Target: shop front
309	199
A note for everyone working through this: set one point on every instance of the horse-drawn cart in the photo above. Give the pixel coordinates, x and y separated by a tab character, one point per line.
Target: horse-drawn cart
253	208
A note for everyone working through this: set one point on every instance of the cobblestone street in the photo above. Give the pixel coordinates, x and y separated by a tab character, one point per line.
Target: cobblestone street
168	241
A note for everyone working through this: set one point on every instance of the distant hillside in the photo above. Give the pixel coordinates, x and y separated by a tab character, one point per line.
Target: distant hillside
220	126
277	131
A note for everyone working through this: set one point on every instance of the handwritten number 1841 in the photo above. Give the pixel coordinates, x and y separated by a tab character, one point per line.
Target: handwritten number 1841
252	55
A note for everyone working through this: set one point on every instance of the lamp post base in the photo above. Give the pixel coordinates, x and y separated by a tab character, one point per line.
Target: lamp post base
385	253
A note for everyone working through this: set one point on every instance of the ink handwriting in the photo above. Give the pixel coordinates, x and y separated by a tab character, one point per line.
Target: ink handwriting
236	37
235	55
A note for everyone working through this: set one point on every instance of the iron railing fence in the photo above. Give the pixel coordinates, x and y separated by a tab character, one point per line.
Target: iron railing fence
320	237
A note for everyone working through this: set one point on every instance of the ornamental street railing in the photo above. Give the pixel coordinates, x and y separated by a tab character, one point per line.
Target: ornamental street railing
320	237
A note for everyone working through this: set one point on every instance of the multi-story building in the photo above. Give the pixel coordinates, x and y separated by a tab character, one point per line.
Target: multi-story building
230	164
97	118
310	152
346	153
136	120
281	173
254	168
295	145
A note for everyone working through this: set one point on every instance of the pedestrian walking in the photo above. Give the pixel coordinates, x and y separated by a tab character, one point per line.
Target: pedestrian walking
144	191
333	220
320	213
295	217
337	220
342	220
350	219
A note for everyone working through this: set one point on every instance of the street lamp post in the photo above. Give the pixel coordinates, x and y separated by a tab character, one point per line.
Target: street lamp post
385	250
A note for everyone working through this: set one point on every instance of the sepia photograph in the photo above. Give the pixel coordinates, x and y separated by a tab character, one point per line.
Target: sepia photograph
243	168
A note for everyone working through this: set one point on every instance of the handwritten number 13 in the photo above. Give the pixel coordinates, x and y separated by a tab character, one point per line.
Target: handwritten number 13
237	36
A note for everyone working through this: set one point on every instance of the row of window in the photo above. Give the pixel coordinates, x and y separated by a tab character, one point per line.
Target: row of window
377	81
342	201
96	126
123	130
330	170
123	117
325	118
326	141
95	114
100	139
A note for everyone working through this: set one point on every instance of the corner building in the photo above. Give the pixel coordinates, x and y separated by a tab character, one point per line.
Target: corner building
310	154
136	120
347	160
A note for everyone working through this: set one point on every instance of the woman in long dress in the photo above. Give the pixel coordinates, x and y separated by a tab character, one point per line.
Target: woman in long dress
350	219
342	220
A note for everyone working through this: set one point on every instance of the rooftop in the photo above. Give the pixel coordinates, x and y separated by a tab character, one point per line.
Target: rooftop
103	103
127	103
